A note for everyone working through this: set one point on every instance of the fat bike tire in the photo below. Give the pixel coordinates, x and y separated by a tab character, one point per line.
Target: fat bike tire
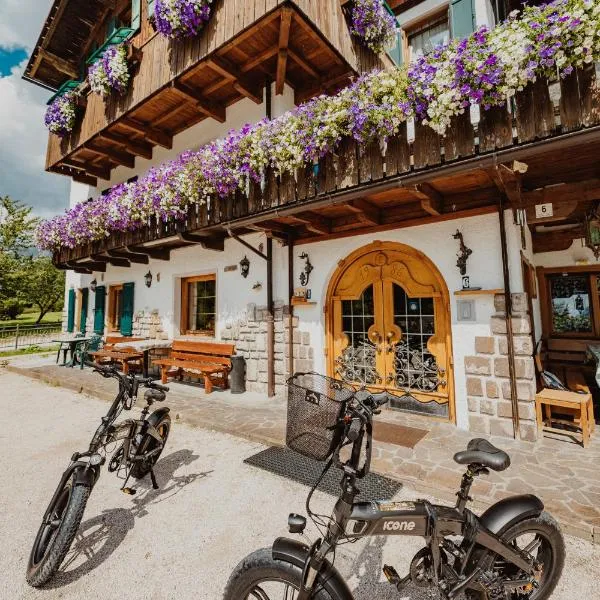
551	555
260	569
148	443
54	540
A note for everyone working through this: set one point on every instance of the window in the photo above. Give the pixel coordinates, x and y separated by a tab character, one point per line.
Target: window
115	307
570	296
427	35
199	305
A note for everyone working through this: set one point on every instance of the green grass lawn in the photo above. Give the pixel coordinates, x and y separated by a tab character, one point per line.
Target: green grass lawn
29	318
29	350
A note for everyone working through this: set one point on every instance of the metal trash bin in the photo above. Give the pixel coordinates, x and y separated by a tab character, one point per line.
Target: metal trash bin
237	375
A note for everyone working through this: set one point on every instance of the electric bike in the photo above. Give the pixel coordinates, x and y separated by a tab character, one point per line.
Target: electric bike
135	444
513	551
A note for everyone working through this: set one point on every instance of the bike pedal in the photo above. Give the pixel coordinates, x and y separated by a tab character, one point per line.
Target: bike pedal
129	491
391	574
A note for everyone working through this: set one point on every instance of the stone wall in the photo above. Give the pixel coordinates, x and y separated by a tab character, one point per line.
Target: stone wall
148	325
487	371
249	333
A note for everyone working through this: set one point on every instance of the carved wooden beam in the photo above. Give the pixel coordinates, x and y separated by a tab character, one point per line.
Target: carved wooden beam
508	179
208	243
365	211
305	65
100	172
86	180
243	84
140	259
150	133
100	267
552	241
582	191
137	147
155	253
431	200
60	64
115	262
282	57
118	156
561	211
314	222
204	105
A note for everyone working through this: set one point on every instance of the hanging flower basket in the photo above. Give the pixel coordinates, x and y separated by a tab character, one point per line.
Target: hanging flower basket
110	73
373	24
181	18
61	114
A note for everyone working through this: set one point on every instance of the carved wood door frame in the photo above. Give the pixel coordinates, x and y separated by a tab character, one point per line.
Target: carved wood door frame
384	274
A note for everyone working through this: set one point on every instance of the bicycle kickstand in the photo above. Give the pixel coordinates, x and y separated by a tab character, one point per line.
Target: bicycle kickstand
153	478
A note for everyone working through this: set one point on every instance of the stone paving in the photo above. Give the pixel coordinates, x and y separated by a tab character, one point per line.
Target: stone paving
558	470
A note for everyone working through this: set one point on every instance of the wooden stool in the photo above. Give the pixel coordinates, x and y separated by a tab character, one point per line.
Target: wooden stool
579	405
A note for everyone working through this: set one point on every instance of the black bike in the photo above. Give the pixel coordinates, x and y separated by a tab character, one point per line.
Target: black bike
141	444
514	551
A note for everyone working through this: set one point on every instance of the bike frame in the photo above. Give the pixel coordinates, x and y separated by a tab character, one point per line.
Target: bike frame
353	520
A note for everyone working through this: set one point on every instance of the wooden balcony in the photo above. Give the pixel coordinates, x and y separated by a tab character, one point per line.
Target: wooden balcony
177	84
553	130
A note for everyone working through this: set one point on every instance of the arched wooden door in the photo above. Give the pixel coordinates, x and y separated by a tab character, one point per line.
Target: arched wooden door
389	325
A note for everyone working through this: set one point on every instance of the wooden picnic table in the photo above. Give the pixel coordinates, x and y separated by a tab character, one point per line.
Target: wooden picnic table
123	357
593	354
144	347
69	344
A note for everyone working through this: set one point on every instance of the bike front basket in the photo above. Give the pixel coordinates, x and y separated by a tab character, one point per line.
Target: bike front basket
315	405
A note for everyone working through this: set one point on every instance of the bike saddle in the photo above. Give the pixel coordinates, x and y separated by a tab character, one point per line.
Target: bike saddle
151	395
481	452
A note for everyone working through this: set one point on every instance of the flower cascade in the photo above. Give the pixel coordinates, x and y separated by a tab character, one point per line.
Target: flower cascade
483	69
373	23
181	18
61	113
110	72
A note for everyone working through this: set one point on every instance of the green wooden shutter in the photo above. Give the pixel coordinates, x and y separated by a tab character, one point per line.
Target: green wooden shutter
71	312
395	53
84	310
462	18
127	312
99	308
112	25
136	14
150	7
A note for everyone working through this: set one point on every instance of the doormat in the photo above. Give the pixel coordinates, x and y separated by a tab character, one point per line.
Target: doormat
398	434
291	465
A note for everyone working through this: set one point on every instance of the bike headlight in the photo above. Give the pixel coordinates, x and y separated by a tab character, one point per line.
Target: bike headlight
95	460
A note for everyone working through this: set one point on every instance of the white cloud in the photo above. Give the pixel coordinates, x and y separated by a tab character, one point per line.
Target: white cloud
21	22
23	137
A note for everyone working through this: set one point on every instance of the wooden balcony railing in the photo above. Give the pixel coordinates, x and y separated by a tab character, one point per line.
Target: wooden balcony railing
176	84
543	110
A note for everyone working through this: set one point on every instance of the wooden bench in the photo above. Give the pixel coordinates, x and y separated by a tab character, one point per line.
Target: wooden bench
109	354
209	360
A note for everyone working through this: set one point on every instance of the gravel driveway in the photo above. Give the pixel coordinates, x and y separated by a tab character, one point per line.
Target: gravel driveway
183	540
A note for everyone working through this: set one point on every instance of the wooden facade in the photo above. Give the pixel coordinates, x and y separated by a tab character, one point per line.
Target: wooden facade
176	84
421	178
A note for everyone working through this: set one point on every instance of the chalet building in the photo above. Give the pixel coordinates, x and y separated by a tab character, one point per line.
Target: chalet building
350	268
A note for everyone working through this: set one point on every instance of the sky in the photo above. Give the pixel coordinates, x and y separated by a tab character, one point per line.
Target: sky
23	136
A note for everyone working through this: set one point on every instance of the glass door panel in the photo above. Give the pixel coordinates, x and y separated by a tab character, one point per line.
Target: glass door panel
358	361
410	364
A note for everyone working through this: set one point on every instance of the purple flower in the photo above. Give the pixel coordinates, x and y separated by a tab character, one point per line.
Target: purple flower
181	18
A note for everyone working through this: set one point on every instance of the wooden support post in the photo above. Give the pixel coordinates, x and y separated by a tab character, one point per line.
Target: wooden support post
282	57
270	322
291	306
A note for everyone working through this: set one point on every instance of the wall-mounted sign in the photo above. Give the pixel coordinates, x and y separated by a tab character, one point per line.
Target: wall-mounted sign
543	211
230	268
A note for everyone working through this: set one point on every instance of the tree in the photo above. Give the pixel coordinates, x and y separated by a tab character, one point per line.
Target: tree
42	284
16	227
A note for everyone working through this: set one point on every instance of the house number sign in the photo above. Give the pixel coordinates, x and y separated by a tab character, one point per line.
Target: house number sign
543	211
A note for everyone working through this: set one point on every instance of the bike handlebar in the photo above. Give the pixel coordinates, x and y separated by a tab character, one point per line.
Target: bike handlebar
113	372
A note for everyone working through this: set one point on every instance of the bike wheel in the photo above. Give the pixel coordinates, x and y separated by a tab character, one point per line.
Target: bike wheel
56	533
541	538
148	443
261	577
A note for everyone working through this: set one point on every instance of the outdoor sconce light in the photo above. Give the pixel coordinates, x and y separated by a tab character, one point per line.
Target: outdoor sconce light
244	267
257	286
93	285
308	268
148	279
